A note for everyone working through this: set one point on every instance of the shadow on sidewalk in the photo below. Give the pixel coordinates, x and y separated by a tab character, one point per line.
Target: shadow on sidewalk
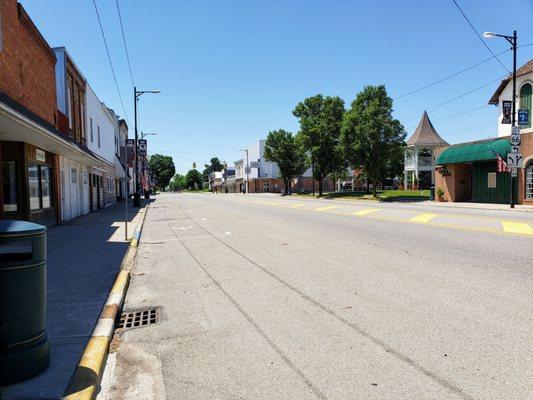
83	258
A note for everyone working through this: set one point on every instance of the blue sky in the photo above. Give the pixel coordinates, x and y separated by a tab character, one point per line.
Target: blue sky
231	71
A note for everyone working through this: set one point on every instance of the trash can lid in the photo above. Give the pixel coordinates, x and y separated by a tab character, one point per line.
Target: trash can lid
20	228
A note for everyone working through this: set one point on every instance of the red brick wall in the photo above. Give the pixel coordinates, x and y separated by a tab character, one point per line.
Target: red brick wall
526	148
27	63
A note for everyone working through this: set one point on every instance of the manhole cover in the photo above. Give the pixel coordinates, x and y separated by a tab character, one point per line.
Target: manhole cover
138	318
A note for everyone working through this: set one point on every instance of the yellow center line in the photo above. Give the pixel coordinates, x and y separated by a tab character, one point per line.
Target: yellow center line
366	212
517	227
297	205
423	218
325	208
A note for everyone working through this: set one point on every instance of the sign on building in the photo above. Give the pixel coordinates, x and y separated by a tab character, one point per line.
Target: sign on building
254	164
507	106
130	146
523	116
142	147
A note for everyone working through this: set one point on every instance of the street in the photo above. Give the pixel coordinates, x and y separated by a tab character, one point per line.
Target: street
266	297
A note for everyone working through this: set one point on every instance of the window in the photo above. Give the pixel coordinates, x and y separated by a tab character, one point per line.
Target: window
9	184
74	176
491	179
40	186
98	134
91	129
525	101
529	180
69	106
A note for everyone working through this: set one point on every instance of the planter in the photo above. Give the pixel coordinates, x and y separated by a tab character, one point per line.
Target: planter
440	199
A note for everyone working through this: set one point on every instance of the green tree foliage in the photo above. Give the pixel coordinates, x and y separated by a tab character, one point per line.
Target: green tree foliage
282	148
320	126
214	166
163	169
178	182
371	138
193	179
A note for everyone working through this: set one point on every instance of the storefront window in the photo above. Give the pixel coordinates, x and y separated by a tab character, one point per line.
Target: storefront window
9	183
33	185
40	186
46	186
529	180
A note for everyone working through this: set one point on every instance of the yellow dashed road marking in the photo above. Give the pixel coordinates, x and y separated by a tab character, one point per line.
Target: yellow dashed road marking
325	208
517	227
297	205
366	212
423	218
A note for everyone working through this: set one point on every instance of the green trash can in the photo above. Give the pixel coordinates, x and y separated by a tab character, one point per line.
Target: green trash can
24	345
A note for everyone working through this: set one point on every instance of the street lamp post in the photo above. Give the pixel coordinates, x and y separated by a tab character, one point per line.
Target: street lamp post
136	95
247	168
513	41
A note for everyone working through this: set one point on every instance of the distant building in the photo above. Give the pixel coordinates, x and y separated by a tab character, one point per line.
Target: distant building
419	159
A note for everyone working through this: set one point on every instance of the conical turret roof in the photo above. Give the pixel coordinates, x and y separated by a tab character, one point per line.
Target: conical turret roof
425	134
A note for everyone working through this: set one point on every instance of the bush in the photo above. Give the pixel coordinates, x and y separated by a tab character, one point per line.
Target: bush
440	192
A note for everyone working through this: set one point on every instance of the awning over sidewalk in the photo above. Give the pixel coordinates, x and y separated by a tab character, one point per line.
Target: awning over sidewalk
483	151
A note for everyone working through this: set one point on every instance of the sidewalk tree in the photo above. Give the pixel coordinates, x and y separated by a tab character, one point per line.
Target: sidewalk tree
214	166
163	168
178	182
193	179
282	148
371	138
320	126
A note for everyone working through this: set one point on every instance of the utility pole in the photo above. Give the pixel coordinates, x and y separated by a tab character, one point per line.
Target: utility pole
513	40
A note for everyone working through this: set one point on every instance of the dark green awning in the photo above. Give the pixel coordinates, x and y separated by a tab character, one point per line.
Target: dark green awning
474	152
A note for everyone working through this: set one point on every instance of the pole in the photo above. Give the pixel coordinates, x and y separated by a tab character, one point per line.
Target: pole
126	208
136	194
513	120
247	174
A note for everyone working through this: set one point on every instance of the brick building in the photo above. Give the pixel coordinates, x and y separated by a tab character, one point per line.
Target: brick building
30	140
468	171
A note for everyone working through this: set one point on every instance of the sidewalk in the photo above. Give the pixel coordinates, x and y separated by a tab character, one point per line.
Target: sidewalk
84	257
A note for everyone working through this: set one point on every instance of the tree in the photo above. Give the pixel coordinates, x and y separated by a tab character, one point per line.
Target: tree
282	148
193	179
178	182
371	138
320	126
214	166
163	169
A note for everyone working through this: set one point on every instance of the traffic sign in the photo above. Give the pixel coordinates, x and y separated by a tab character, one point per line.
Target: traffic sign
514	172
523	116
515	160
247	170
515	149
515	130
515	139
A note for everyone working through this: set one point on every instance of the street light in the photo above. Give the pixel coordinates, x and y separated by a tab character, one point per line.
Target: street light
247	168
513	41
136	95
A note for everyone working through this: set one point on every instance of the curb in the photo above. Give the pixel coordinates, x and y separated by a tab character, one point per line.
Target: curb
85	382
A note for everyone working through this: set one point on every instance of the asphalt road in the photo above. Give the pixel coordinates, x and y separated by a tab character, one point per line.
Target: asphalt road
265	297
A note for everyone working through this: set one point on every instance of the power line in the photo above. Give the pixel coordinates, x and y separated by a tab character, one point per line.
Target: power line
479	36
453	99
457	115
124	41
448	77
110	62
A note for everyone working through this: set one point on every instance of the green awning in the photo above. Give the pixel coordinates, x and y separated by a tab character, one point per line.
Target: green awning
474	152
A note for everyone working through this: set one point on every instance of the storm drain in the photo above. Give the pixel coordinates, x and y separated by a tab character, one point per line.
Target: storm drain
138	318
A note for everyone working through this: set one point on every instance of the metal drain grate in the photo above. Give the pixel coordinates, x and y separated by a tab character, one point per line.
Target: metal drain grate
138	318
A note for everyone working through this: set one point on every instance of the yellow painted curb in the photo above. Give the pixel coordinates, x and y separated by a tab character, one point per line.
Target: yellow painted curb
88	374
87	377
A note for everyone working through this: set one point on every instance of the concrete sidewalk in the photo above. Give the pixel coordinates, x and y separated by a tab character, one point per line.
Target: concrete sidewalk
84	257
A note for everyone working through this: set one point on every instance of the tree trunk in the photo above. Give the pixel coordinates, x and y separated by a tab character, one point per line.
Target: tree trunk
367	185
286	181
374	188
320	184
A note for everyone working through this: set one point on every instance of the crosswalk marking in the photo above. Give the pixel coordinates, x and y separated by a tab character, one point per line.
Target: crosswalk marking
297	205
517	227
325	208
423	218
366	212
